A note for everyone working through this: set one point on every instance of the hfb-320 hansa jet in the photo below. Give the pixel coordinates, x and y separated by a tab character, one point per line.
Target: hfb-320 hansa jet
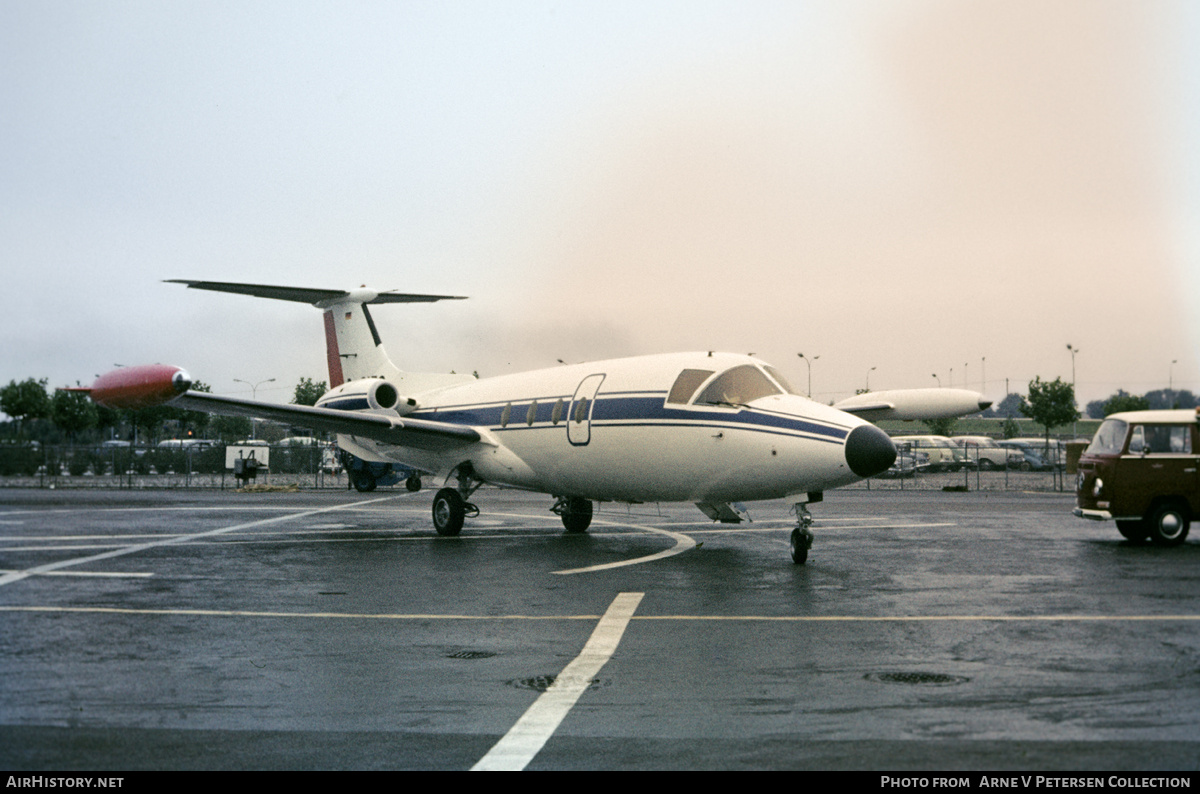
711	428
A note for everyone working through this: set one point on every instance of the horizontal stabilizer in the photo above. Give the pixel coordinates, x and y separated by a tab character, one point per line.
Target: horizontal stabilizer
313	296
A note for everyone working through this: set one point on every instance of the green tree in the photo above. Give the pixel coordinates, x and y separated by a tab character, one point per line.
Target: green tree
1050	403
1124	401
940	427
73	412
308	392
25	400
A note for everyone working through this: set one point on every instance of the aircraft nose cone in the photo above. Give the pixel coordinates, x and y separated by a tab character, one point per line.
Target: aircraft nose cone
869	451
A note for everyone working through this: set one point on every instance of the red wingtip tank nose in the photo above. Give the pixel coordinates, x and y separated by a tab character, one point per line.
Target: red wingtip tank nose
133	388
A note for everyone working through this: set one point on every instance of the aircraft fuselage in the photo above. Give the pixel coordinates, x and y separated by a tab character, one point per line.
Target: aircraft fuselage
610	430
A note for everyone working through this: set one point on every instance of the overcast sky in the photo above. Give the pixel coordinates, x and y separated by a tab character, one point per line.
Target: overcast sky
904	189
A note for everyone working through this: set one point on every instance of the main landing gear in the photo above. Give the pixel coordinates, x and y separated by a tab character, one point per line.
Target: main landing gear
576	513
451	508
802	535
450	505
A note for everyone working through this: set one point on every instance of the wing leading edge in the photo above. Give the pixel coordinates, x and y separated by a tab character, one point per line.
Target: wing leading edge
418	433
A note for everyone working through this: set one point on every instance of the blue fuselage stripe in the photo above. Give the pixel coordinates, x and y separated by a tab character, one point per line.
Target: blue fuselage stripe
633	411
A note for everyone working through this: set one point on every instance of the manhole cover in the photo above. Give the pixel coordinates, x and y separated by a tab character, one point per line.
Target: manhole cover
917	678
470	655
541	683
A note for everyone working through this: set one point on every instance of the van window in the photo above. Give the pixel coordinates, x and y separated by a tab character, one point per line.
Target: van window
738	386
1161	440
1109	439
686	384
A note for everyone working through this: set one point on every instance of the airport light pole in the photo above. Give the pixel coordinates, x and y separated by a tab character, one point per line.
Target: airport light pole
808	363
1074	350
253	396
872	369
939	380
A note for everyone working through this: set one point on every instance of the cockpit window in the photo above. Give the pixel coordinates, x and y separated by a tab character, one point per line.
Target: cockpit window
782	381
686	384
738	386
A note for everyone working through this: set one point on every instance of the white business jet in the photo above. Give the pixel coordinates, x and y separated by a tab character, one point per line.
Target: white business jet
711	428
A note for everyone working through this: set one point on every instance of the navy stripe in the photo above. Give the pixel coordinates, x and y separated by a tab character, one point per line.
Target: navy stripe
611	411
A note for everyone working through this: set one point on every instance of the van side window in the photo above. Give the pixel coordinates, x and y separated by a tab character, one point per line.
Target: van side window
1161	440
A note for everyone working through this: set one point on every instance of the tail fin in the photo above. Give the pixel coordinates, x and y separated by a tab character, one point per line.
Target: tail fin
352	345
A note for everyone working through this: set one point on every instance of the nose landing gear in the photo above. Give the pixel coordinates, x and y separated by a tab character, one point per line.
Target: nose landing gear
802	535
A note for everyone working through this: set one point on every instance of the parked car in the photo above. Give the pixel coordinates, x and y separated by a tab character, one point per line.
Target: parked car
943	454
984	452
1053	451
1141	471
908	462
1034	460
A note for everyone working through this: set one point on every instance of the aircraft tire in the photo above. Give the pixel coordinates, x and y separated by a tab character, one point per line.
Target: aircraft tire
578	515
799	548
413	483
448	512
362	481
1168	525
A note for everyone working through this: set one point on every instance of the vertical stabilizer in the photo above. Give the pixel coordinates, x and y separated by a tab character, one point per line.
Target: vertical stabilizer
353	349
352	345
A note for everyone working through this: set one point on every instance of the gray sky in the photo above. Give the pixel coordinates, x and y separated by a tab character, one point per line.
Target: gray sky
901	188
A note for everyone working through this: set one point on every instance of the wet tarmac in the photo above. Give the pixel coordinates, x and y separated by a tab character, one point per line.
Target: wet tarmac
334	630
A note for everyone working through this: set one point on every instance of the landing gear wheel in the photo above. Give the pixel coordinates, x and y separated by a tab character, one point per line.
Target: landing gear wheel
1133	531
413	483
1168	525
577	514
363	481
449	509
801	542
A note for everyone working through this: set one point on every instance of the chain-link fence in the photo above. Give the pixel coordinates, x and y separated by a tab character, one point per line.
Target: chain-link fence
170	466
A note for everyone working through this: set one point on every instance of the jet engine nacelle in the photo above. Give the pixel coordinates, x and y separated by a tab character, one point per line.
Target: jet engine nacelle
914	404
376	394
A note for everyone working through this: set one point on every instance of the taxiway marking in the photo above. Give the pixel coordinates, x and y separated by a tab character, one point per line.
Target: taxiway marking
17	576
535	727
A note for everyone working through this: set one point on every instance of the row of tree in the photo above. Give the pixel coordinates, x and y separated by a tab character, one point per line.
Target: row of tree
71	417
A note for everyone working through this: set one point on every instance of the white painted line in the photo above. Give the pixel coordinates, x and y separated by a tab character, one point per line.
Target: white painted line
17	576
84	573
682	544
527	737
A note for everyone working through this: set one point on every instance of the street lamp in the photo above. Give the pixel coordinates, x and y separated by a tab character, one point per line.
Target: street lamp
253	396
872	369
939	380
1074	350
808	363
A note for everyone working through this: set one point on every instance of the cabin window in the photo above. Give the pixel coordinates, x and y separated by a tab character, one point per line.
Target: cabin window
686	384
581	410
738	386
505	415
531	414
556	415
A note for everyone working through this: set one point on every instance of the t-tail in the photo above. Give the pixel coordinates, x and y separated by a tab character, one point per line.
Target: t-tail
353	348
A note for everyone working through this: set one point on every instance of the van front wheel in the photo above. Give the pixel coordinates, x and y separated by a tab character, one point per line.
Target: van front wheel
1168	525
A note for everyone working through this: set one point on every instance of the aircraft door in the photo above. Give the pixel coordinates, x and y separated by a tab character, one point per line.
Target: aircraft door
579	415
